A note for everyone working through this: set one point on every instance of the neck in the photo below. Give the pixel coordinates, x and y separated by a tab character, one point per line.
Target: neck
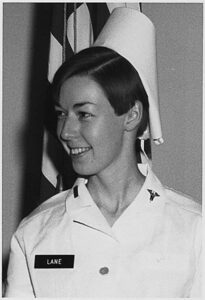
115	189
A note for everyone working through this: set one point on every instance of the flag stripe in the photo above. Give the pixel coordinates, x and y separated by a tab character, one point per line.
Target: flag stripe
47	189
79	29
57	27
70	8
55	57
99	14
68	50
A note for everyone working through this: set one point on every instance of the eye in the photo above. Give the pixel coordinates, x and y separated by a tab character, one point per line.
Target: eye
82	115
60	114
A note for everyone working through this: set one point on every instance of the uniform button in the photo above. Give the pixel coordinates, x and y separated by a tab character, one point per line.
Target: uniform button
104	270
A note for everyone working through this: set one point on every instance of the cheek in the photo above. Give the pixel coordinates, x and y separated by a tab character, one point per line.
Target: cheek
106	133
59	128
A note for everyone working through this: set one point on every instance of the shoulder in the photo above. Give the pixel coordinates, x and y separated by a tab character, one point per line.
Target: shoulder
184	216
47	212
184	212
182	201
175	200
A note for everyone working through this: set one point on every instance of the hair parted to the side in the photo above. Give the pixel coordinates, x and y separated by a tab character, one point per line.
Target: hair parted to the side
115	75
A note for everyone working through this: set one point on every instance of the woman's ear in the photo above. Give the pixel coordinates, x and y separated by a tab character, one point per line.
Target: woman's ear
134	116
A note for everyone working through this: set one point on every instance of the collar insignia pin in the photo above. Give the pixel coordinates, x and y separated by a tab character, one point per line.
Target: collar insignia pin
153	194
75	191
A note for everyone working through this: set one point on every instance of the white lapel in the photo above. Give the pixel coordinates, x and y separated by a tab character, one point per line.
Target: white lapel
83	210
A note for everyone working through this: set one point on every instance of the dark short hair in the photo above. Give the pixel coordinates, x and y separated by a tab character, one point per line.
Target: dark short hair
118	79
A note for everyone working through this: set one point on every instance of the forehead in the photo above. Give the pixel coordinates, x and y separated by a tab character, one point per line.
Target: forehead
81	89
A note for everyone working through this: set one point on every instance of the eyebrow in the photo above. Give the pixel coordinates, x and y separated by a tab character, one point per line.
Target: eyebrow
58	106
77	105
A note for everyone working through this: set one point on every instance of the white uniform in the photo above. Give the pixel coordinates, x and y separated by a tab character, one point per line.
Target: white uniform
65	248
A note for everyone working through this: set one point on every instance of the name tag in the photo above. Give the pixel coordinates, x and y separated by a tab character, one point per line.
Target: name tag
54	262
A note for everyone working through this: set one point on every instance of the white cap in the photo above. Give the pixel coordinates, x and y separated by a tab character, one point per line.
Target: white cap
131	34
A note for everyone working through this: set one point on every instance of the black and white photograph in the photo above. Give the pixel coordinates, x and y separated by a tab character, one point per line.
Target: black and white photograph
102	149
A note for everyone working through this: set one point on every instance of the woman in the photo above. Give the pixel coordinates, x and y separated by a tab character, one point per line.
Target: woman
118	232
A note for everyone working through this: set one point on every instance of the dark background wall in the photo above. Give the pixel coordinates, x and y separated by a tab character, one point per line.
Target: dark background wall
25	58
178	162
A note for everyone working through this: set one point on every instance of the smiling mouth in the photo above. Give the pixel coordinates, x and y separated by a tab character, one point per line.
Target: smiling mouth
79	151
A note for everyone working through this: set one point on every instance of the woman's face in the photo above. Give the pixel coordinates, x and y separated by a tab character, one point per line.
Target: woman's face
88	128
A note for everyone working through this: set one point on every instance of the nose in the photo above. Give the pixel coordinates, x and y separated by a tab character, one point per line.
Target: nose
69	129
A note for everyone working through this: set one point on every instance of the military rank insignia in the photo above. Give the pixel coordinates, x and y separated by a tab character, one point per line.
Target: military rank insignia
75	191
153	194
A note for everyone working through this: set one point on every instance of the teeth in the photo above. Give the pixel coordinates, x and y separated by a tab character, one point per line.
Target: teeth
76	151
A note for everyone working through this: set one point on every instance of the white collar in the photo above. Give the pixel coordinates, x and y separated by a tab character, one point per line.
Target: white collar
149	195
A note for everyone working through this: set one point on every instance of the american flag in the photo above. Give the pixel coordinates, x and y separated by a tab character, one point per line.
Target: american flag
75	26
